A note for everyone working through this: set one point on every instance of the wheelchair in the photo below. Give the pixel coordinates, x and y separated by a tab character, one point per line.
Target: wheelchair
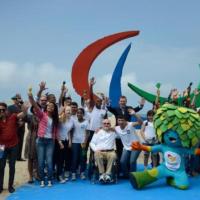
93	172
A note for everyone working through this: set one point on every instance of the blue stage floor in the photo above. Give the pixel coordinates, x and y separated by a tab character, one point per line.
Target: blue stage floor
84	190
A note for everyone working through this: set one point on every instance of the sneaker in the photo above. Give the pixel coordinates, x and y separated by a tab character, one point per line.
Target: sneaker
66	175
73	176
61	180
11	189
42	184
107	178
49	184
101	178
83	177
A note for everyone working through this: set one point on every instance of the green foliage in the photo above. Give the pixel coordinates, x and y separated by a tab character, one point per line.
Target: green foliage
185	121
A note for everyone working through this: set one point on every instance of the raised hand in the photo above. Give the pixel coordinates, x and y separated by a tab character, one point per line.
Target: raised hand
42	86
30	91
131	111
196	92
142	102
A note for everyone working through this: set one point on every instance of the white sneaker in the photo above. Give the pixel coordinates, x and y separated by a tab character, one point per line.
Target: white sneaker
49	184
61	180
42	184
83	176
101	178
107	178
66	175
73	176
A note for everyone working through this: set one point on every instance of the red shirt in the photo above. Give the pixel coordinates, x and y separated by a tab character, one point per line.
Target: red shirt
8	131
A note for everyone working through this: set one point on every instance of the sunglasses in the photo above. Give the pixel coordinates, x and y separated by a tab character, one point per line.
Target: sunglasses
2	110
106	123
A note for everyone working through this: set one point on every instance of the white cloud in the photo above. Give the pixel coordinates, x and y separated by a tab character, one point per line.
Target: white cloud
18	78
145	66
7	71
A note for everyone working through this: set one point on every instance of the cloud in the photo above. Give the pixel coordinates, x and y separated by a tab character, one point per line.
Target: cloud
145	66
7	70
18	78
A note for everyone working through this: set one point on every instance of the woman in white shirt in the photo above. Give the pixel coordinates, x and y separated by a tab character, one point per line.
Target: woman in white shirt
63	148
79	139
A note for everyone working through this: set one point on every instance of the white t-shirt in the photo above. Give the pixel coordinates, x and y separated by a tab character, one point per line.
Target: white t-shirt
87	113
74	117
49	128
149	132
127	135
79	132
103	140
64	129
96	118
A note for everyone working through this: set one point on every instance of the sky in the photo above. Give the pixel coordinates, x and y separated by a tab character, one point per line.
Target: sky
40	40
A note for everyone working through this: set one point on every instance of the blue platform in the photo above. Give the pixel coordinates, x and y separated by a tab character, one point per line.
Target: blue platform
85	190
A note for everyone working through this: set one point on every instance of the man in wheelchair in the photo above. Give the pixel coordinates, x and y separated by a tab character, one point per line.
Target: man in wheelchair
103	144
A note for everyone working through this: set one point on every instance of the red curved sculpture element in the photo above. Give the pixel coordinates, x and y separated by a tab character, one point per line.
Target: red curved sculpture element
83	62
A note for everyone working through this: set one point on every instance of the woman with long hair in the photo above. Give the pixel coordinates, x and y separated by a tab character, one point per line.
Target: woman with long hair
47	133
63	145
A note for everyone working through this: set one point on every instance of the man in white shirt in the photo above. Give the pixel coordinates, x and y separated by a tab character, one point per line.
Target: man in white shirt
103	143
127	134
97	113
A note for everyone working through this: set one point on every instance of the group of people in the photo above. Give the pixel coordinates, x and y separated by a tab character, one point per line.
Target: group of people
61	136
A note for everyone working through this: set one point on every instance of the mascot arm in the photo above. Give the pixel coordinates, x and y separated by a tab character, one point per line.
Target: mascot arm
138	146
197	151
193	151
156	148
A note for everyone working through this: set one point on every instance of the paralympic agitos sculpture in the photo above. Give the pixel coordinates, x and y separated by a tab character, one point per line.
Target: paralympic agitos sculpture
83	62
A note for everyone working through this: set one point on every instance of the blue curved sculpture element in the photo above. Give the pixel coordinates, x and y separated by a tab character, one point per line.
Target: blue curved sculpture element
115	84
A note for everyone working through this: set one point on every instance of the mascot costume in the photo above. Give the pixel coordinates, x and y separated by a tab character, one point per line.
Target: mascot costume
178	131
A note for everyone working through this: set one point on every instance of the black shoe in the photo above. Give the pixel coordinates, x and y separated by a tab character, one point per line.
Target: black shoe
11	189
30	182
21	159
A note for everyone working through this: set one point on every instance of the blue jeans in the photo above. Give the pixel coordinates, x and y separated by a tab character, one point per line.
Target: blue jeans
45	148
128	161
78	157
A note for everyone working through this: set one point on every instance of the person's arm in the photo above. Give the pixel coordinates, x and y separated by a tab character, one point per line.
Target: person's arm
63	93
133	113
42	86
94	142
83	145
141	105
32	101
84	98
142	131
91	95
23	114
196	93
